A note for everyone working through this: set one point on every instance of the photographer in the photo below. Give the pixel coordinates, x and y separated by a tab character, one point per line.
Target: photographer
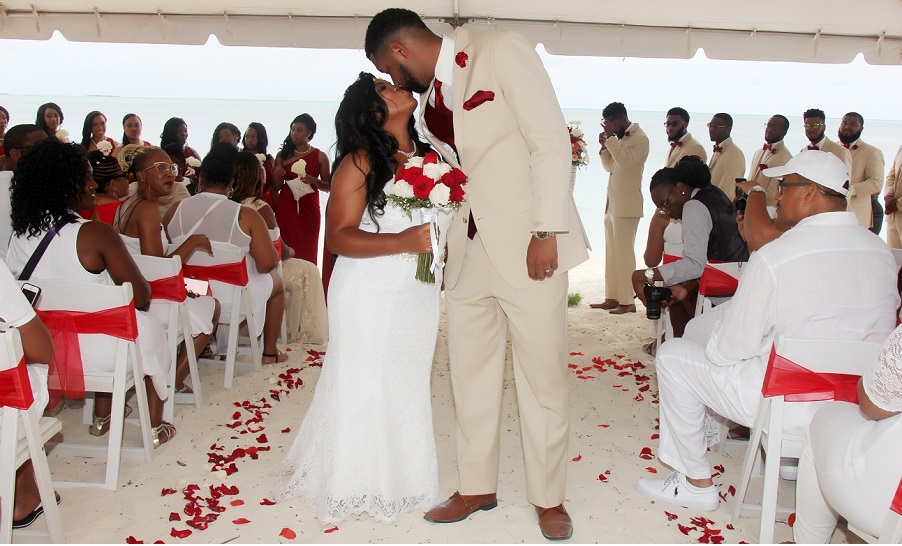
709	233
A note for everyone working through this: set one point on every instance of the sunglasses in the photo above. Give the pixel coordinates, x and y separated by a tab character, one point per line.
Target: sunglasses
814	125
163	167
672	123
716	126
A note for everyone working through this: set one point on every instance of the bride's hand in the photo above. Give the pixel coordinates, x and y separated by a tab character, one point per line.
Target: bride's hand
416	239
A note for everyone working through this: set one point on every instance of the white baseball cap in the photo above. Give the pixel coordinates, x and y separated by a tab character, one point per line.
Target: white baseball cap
822	168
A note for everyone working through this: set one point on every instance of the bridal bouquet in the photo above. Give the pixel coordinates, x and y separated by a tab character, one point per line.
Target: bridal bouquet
579	151
427	183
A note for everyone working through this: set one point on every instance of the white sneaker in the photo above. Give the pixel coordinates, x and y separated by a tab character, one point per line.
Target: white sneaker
676	490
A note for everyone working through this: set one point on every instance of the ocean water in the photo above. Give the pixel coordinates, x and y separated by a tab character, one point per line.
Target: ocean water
202	117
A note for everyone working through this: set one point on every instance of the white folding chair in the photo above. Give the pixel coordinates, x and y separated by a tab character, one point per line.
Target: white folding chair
821	356
718	280
226	271
276	236
18	407
663	326
116	304
167	288
891	533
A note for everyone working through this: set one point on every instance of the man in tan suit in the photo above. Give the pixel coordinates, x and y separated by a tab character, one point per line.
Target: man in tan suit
815	131
488	106
727	160
773	154
624	149
892	193
867	168
681	142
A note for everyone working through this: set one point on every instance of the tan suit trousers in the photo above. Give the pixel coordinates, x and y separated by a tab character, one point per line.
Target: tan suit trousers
619	257
481	309
893	229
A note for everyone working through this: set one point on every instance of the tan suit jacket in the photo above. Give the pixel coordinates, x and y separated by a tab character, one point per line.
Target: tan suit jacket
835	148
690	147
516	157
625	160
765	159
866	178
727	166
894	220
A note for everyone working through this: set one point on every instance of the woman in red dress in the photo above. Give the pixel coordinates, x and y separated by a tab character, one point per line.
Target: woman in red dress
131	132
94	132
299	219
256	141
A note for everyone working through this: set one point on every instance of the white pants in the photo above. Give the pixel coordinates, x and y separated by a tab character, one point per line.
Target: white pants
850	467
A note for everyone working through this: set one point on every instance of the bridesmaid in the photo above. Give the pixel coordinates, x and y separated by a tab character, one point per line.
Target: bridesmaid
256	141
94	132
131	132
49	118
299	220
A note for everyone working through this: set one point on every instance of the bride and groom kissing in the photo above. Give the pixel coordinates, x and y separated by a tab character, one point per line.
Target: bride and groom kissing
366	444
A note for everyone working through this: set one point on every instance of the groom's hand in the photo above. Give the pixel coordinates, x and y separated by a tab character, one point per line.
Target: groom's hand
541	258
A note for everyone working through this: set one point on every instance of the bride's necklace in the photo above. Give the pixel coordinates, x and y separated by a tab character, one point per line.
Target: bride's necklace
410	154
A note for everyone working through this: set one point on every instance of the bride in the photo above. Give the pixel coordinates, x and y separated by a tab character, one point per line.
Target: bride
366	444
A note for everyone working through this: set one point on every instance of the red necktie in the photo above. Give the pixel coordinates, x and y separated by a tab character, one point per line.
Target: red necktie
718	149
439	119
768	147
813	147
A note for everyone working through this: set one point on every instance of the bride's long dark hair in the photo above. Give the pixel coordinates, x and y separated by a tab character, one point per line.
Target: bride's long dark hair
359	126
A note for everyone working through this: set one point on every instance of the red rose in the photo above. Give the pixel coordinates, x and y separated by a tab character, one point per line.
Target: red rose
457	194
455	177
422	186
461	59
429	158
762	166
409	174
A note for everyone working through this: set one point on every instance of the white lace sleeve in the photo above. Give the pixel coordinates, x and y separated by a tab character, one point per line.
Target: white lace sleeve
883	380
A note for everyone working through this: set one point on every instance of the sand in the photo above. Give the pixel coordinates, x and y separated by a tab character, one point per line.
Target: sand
612	419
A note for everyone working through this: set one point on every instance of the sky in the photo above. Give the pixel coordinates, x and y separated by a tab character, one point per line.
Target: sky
59	67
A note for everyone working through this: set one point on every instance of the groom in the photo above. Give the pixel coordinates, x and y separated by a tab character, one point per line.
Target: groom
487	105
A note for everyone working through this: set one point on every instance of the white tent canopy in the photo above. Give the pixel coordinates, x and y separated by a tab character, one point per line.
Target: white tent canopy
820	31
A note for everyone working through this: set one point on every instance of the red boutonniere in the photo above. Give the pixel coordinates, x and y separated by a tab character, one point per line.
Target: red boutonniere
762	166
461	59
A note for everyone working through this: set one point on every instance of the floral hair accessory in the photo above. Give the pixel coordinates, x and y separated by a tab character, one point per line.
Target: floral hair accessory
461	59
104	147
260	157
193	162
130	153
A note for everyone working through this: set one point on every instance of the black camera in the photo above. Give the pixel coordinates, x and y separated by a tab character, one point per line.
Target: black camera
741	197
654	295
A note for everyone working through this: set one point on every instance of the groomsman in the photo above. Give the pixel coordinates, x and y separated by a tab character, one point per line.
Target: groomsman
867	168
815	130
727	160
681	142
624	149
772	154
892	192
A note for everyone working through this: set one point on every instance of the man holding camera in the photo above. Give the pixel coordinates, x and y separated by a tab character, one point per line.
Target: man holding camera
727	160
798	286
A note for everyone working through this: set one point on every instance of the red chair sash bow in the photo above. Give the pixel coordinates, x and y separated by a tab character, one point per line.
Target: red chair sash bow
233	273
66	373
797	384
670	258
715	282
278	244
896	506
15	387
169	288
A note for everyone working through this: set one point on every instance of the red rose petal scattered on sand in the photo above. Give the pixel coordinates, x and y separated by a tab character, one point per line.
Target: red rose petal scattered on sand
237	502
644	387
791	520
732	491
167	491
174	516
572	366
730	526
180	534
287	349
604	426
616	386
262	439
575	353
286	430
719	468
646	454
240	521
132	540
266	502
685	528
288	534
602	478
639	397
577	458
722	496
331	530
655	436
651	469
670	517
236	416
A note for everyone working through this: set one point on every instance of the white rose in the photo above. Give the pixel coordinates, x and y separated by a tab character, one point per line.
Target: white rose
402	188
260	157
578	133
299	168
440	195
445	169
62	135
104	147
193	161
414	162
433	170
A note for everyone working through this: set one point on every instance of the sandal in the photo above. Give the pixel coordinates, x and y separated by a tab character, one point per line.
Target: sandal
277	357
96	428
184	389
650	348
165	428
33	516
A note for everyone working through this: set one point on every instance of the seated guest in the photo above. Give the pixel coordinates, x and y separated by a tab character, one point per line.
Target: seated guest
112	185
709	233
18	139
49	119
53	180
305	303
210	212
16	312
798	285
131	132
138	222
94	132
850	464
226	132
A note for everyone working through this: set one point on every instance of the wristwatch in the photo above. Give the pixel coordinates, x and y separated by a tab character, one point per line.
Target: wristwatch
757	188
542	235
650	276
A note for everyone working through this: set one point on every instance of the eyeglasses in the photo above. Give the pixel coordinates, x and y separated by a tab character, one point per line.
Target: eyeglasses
672	123
665	207
163	167
814	125
781	184
716	126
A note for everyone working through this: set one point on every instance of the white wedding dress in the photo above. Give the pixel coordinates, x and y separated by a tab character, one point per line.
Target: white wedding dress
366	444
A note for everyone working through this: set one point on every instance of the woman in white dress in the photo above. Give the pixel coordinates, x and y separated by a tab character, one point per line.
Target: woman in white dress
366	444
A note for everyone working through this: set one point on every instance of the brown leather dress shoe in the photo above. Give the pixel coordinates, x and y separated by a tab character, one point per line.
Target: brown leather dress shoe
555	522
607	304
458	507
623	309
